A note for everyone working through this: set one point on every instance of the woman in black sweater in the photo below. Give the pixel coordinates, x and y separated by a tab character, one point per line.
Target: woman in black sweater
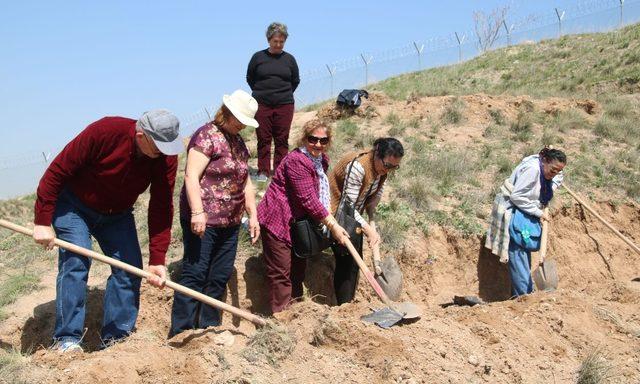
273	76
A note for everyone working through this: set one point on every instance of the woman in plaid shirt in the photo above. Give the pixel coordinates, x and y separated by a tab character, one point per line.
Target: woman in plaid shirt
299	189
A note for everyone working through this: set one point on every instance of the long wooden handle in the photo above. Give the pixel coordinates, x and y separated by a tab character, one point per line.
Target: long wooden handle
543	238
368	275
603	221
375	255
141	273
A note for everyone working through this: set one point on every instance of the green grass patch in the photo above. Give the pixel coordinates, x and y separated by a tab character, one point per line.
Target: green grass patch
16	286
347	129
522	127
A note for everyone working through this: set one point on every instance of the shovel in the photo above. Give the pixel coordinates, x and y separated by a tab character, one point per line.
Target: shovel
546	273
257	320
388	274
394	312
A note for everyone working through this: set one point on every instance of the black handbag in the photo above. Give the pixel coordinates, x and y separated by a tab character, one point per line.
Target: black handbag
346	212
307	238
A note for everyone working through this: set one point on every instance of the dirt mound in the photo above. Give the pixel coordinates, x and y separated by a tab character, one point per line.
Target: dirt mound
332	111
596	306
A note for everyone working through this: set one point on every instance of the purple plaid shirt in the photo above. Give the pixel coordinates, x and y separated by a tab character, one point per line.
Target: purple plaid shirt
292	194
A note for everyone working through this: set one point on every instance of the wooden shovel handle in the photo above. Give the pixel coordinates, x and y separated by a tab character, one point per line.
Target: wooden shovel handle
141	273
368	275
603	221
543	238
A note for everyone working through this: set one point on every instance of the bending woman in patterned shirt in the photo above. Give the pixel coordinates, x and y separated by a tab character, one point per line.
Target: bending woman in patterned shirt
216	191
299	189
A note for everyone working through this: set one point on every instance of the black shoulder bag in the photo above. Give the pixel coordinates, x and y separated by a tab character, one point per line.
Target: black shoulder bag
307	238
346	211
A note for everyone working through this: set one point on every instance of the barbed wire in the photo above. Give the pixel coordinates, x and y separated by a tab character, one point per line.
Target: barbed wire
448	41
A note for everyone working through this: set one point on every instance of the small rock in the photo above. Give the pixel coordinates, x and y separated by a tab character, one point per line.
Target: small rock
225	338
473	360
487	369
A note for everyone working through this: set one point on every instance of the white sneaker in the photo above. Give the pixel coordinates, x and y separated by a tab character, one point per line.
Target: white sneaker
262	178
68	346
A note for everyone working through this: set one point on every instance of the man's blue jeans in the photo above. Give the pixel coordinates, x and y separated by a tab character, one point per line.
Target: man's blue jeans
519	270
206	267
76	223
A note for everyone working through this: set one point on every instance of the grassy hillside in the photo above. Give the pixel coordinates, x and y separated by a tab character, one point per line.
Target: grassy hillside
577	64
578	93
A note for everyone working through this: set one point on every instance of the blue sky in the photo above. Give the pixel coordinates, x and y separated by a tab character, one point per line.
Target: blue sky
65	64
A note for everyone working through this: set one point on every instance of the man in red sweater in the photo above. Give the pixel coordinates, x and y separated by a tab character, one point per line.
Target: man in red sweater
89	191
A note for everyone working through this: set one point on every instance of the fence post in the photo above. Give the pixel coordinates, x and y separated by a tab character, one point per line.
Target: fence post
460	41
508	30
419	50
331	72
621	13
366	68
560	17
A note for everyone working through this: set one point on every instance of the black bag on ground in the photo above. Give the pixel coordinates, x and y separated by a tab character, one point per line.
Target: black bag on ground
307	238
351	97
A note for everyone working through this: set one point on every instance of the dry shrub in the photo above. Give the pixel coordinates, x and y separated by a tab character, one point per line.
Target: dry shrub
326	332
595	369
454	112
272	343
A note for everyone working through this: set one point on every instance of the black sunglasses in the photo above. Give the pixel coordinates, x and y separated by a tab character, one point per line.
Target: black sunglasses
314	140
390	166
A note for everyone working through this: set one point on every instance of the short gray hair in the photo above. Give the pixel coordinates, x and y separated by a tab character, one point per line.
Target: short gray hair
276	27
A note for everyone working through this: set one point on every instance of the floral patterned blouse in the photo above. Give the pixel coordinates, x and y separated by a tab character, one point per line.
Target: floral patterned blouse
223	180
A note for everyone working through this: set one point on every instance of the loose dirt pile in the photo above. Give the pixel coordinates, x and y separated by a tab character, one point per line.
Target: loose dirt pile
540	338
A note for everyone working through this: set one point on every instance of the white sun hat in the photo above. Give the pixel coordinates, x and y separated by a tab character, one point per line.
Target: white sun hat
243	107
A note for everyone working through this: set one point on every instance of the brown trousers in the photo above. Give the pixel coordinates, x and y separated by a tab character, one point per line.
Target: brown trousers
285	271
275	123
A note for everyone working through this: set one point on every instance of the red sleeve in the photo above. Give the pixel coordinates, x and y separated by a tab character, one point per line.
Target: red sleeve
304	191
161	209
75	155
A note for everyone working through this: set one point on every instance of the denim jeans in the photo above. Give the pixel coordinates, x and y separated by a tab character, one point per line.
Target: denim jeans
206	267
116	234
520	270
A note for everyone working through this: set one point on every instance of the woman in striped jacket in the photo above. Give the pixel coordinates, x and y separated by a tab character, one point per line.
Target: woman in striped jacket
359	178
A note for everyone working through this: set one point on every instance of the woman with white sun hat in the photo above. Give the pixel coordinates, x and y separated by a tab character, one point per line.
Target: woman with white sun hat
216	191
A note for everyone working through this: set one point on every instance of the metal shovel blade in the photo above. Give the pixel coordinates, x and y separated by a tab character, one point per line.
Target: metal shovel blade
389	316
391	278
384	318
546	276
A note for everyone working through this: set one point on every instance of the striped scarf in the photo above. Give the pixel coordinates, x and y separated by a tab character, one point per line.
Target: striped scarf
324	181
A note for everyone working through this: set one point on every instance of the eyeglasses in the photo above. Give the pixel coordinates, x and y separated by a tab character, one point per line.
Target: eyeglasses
390	166
314	140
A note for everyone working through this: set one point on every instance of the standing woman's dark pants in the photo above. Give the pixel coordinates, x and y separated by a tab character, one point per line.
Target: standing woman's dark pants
345	276
285	271
206	267
275	123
